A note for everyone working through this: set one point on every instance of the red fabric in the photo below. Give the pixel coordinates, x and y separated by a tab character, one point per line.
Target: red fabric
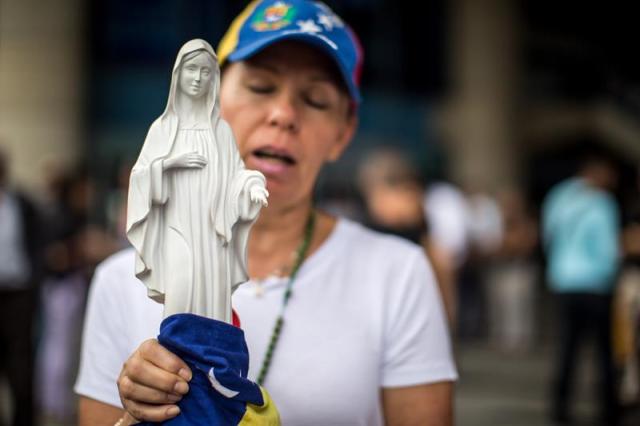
235	319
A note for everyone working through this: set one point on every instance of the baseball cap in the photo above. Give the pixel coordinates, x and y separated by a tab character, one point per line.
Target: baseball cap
265	22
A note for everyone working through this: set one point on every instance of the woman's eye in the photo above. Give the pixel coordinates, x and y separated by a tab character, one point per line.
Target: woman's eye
316	103
191	68
261	89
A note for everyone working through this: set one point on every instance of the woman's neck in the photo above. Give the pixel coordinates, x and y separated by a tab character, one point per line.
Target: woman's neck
278	233
276	228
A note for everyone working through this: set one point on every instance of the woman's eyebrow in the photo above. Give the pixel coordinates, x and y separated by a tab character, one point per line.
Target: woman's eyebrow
263	66
323	78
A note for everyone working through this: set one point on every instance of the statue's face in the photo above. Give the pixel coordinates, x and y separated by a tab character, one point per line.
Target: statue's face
195	76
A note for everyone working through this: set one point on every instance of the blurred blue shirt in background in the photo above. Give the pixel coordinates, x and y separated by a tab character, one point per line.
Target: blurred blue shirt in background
581	234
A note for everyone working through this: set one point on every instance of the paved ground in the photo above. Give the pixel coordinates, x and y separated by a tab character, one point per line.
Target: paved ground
512	390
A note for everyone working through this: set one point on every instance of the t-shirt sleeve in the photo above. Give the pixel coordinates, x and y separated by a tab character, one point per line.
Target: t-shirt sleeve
104	348
417	346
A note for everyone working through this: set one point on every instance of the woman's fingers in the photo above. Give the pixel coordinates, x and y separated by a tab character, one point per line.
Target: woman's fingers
152	374
151	381
142	393
152	351
151	413
140	372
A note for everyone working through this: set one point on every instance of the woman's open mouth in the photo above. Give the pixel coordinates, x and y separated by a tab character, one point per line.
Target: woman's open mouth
272	161
274	155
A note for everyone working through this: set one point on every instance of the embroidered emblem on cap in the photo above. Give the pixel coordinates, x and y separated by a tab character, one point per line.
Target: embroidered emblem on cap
274	17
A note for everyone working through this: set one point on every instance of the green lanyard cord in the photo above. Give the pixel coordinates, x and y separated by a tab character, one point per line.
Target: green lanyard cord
301	252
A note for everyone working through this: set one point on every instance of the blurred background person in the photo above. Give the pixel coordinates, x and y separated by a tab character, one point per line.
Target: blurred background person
581	234
63	292
19	279
483	235
72	244
446	210
116	203
392	189
513	275
627	306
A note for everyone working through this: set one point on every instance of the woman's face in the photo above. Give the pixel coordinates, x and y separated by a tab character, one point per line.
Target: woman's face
288	115
195	75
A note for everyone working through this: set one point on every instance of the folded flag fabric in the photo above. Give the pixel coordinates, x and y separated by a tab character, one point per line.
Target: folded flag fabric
219	392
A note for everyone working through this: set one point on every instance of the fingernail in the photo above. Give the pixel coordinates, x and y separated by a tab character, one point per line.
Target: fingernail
185	374
173	411
181	387
174	398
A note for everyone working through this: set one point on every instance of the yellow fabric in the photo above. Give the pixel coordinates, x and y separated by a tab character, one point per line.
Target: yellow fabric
626	306
265	415
230	39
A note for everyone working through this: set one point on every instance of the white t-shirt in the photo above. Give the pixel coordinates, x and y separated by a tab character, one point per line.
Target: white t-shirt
365	313
447	214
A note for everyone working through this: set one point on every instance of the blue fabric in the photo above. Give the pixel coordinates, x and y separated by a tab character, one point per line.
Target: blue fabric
581	232
308	21
206	344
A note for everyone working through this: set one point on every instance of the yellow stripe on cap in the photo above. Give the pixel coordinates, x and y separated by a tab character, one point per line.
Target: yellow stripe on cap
230	39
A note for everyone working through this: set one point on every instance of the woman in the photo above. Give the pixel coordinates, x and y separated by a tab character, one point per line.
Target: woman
190	183
360	335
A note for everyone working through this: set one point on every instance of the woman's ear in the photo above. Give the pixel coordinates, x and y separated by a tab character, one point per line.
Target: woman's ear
345	135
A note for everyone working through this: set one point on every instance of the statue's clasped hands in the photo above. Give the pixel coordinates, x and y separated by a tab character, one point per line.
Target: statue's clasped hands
190	160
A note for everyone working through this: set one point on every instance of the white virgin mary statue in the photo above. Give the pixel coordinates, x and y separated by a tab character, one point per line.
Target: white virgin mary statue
191	200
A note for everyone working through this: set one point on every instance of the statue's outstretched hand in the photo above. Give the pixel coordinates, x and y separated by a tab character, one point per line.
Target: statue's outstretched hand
259	194
152	380
190	160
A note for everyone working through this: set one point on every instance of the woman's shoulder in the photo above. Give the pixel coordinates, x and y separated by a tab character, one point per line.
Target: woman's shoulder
118	262
117	271
359	240
380	264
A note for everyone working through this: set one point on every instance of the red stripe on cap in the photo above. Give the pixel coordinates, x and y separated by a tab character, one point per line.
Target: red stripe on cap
357	71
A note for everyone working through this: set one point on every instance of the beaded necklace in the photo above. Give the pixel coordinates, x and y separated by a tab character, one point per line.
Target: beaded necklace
301	252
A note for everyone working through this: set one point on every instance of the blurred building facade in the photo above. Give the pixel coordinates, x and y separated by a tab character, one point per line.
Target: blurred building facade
42	81
490	86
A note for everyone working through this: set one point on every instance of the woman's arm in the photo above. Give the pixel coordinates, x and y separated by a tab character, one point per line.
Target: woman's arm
424	405
96	413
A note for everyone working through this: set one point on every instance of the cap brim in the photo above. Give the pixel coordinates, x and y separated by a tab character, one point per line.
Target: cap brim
318	40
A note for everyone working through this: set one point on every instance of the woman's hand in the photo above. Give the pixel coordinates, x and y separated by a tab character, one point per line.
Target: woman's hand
190	160
152	380
259	194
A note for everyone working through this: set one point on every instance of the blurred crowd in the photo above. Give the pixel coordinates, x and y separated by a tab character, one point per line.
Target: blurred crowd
49	247
517	276
496	258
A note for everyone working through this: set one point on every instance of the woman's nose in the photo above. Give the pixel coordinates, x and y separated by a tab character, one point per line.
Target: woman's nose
284	113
